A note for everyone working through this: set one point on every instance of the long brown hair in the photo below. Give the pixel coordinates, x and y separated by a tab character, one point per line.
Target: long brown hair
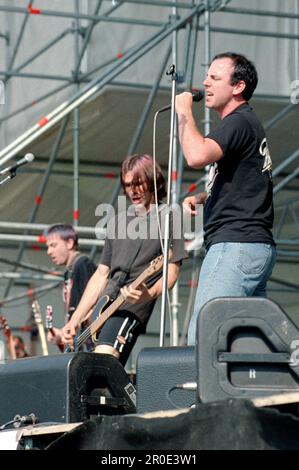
142	167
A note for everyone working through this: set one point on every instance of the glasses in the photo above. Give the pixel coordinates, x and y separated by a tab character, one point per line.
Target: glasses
133	184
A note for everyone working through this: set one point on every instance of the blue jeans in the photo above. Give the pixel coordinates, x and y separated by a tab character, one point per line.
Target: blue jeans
232	270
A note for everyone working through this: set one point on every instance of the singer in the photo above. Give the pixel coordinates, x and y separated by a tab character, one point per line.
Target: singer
238	201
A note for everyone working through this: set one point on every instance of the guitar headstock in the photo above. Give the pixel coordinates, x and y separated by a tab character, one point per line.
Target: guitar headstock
5	326
37	312
155	266
49	317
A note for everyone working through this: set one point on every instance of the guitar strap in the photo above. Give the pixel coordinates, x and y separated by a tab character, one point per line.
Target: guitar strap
125	270
69	271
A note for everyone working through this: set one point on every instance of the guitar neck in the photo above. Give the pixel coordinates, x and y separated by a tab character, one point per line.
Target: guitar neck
43	339
40	326
11	347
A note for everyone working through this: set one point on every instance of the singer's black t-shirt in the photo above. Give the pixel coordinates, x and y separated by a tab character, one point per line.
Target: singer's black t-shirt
239	207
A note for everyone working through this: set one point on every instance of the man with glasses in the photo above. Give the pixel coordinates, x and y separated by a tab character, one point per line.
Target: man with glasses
131	244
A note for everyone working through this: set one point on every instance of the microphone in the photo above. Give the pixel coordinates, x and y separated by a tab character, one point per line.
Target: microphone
29	157
197	95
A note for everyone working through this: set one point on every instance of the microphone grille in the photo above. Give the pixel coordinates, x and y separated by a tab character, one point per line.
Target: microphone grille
197	95
29	157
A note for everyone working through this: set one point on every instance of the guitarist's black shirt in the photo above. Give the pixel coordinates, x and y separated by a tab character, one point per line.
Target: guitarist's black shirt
76	278
123	233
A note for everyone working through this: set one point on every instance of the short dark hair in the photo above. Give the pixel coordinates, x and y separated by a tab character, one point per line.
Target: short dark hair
244	70
142	167
64	231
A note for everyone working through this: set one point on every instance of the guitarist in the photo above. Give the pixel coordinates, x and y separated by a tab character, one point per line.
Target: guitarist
131	243
62	247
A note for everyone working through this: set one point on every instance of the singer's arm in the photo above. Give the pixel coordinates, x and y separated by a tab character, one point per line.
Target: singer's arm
198	150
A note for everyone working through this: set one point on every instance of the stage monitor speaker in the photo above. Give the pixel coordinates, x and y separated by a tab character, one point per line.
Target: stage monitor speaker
158	373
67	388
246	347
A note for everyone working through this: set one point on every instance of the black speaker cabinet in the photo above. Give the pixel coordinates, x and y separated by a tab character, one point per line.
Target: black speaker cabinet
67	388
158	372
246	347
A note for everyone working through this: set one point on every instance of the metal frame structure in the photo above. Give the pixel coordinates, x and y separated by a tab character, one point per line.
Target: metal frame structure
195	17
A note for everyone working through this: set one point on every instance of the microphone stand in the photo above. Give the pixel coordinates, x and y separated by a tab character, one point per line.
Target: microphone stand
171	71
12	174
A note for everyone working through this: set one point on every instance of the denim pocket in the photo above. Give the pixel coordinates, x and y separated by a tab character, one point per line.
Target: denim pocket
254	257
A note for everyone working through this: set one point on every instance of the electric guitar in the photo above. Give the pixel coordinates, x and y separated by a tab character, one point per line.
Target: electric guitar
39	322
10	341
103	314
49	325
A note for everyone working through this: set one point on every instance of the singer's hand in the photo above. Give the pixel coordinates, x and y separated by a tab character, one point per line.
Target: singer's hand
190	202
183	102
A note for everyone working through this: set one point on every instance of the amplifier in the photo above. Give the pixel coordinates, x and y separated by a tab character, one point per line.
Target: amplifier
160	372
245	348
67	388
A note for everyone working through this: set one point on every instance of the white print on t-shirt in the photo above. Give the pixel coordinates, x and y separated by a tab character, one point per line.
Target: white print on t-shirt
265	152
212	177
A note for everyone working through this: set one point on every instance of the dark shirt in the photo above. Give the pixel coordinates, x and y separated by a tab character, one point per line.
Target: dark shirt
75	280
239	207
119	247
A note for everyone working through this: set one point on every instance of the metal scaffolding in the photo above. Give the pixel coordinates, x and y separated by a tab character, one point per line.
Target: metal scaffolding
190	18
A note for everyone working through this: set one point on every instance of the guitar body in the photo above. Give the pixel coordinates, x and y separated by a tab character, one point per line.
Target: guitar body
86	337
